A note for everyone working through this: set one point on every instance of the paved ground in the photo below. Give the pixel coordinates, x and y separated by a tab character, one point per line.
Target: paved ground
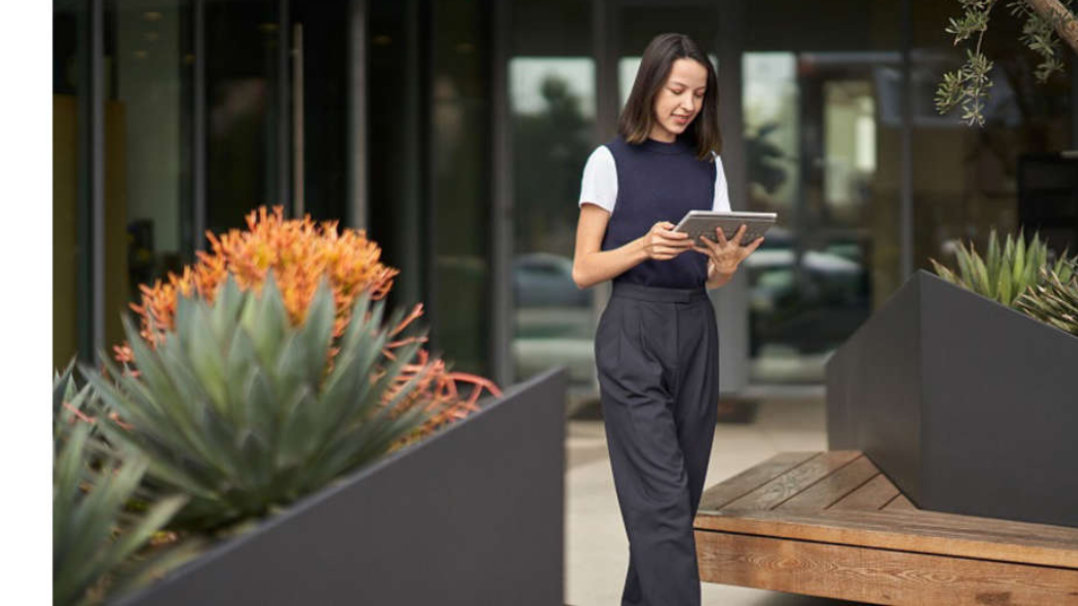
596	546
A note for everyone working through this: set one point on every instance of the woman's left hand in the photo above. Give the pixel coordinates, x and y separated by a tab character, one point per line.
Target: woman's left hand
726	255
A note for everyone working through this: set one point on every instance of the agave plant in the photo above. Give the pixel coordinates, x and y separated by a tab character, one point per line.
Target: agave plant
1055	300
246	412
95	537
300	253
1005	272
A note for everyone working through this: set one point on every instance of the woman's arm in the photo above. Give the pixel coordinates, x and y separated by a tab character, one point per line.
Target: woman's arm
592	266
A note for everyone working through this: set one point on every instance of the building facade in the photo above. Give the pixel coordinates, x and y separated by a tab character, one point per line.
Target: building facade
455	132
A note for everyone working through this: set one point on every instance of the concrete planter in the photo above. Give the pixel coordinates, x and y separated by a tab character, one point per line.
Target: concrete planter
967	406
472	515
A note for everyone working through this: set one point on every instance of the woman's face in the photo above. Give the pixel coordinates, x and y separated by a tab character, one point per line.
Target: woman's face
679	100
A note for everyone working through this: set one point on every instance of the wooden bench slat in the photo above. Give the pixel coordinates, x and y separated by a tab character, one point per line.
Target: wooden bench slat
737	486
873	495
877	576
917	531
830	524
835	486
900	503
794	481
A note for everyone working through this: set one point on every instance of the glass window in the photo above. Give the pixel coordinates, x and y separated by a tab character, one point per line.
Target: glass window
243	111
320	91
461	184
149	61
398	157
552	103
818	87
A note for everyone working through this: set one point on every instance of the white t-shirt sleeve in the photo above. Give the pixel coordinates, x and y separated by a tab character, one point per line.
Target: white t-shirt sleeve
599	184
722	194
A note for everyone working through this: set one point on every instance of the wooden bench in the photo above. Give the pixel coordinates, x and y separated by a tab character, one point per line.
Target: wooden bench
830	524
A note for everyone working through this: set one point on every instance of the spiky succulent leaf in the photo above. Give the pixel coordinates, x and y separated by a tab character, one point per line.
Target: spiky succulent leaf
994	255
246	412
1055	300
95	539
1005	272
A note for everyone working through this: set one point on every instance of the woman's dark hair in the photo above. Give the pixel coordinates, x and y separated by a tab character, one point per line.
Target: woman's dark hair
638	117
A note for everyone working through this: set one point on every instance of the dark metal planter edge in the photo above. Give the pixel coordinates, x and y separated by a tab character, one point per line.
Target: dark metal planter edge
937	380
538	491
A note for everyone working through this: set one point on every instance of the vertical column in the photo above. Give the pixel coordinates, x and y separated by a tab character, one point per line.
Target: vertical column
428	194
731	301
282	122
84	202
357	116
97	176
604	22
502	366
297	121
198	169
906	175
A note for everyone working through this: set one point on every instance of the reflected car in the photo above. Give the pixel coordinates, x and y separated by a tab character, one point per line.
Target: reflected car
812	303
554	321
546	280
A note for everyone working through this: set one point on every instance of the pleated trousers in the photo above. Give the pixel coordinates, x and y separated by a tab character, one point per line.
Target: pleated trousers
656	352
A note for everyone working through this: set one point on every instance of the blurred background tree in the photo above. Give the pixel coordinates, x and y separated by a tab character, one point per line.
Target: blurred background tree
547	168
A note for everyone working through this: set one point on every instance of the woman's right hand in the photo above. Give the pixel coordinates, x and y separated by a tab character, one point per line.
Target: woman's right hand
662	243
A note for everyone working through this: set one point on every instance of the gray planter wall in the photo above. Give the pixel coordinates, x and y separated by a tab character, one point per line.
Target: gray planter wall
967	406
472	515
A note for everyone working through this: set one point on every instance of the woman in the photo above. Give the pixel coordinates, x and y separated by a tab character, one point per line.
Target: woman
656	345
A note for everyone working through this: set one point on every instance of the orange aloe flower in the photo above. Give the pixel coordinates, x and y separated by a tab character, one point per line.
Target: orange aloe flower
300	252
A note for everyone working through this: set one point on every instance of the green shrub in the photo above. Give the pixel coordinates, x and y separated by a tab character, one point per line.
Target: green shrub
1005	272
244	412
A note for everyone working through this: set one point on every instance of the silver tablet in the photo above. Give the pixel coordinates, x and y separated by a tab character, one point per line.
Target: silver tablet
699	223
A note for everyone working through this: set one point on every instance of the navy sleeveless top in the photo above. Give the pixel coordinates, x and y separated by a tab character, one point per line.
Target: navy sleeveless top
659	182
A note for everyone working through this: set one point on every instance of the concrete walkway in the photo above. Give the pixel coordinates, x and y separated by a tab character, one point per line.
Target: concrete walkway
596	546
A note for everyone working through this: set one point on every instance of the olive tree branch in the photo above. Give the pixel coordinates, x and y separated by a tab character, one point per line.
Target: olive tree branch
1062	19
1045	23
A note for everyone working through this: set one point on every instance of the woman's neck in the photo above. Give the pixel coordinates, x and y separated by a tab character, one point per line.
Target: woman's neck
660	134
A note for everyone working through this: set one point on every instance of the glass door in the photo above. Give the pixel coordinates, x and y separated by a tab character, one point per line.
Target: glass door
822	151
821	127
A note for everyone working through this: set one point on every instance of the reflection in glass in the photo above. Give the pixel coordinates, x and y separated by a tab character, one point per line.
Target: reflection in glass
553	108
816	154
242	109
770	115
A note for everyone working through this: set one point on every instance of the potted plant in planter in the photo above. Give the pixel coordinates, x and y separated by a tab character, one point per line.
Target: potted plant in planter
98	541
968	404
266	385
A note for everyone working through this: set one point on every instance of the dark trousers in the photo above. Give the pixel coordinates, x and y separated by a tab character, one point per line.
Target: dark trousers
656	351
